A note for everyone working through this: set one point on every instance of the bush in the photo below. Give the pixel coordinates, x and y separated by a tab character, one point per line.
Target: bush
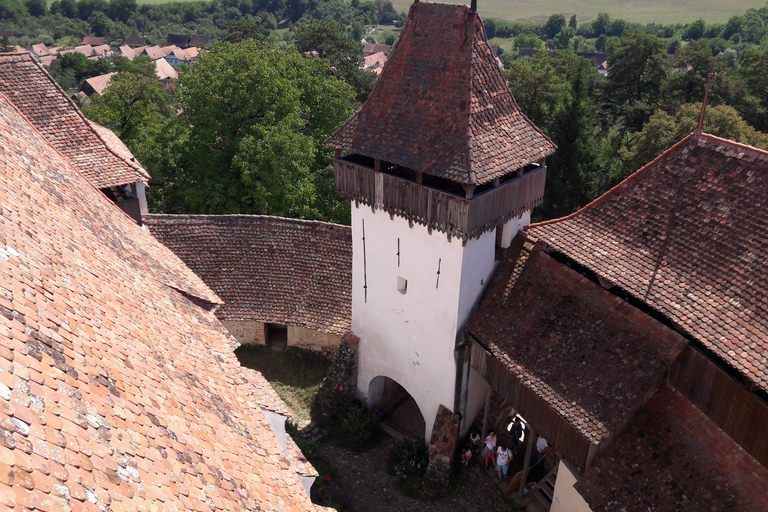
356	423
359	425
407	461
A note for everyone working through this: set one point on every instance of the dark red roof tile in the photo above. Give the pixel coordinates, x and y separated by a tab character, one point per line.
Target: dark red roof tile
672	457
267	269
687	235
589	355
441	105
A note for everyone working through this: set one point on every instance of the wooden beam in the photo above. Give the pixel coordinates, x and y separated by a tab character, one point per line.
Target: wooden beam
527	461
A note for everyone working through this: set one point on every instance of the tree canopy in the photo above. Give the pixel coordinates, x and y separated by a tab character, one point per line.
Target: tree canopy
258	118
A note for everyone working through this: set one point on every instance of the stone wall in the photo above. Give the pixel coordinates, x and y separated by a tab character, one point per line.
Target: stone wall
246	333
253	333
442	446
343	370
315	340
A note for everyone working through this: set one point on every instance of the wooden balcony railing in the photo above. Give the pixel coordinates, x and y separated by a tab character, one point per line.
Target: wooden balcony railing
437	209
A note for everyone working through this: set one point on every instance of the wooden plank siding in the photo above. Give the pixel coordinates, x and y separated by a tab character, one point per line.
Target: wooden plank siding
567	442
448	213
742	416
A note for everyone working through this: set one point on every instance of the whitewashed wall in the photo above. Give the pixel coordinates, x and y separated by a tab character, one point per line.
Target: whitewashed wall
565	497
410	337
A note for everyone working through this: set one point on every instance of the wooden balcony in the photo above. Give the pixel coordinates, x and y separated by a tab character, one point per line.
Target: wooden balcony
439	209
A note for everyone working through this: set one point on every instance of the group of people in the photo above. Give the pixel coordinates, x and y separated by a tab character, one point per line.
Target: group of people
501	455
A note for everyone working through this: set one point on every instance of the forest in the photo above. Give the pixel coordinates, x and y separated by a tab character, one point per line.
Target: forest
243	129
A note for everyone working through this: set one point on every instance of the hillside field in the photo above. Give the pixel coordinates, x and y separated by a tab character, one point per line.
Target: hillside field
641	11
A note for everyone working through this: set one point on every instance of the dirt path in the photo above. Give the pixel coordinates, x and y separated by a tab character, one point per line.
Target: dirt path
363	481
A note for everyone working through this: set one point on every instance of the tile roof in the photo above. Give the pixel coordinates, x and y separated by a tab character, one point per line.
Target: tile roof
103	50
267	269
128	52
116	391
442	105
40	50
85	49
48	60
94	40
589	355
135	41
101	82
41	100
154	52
672	457
370	49
375	60
687	235
165	71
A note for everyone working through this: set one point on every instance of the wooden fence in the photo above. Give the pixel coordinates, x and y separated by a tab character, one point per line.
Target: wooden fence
740	414
446	212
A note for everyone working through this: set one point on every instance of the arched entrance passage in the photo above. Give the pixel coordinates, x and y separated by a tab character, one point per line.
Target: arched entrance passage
400	410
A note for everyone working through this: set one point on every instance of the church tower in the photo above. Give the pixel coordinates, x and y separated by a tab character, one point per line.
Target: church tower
442	169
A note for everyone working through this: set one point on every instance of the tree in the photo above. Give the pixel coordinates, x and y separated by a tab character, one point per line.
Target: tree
138	66
695	30
259	117
637	69
664	130
689	86
85	8
36	8
573	23
331	42
536	87
554	25
563	39
121	10
72	69
5	45
140	112
600	25
753	70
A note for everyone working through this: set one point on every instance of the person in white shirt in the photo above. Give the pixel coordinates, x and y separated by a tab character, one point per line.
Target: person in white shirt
541	448
503	457
489	448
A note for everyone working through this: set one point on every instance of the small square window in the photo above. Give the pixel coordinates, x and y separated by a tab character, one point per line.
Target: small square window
402	284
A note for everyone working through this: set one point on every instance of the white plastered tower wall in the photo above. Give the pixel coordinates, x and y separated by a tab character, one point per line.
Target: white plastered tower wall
410	336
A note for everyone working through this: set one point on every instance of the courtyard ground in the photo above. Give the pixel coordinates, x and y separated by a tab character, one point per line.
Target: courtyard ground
357	481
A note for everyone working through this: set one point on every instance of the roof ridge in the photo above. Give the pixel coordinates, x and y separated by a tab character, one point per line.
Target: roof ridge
607	193
193	216
134	165
761	152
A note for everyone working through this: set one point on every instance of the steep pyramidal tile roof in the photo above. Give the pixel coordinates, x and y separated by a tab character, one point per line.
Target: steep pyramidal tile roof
441	105
687	235
267	269
32	90
588	354
116	391
672	457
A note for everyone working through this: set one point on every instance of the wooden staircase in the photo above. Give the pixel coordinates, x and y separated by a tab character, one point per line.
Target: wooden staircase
539	498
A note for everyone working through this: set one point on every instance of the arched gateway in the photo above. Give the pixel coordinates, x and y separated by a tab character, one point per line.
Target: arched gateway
399	409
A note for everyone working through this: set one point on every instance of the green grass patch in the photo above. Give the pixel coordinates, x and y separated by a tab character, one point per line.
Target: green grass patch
294	373
640	11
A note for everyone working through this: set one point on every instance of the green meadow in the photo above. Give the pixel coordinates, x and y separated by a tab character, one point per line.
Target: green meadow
640	11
